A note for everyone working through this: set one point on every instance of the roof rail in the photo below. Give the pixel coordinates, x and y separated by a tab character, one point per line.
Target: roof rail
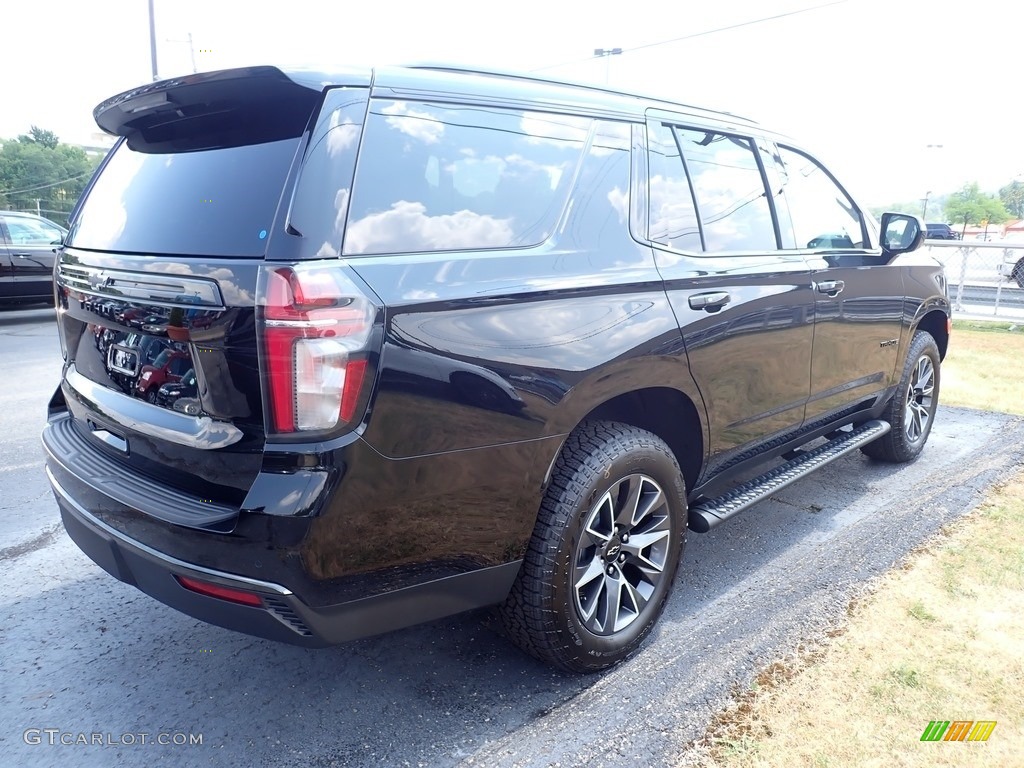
529	76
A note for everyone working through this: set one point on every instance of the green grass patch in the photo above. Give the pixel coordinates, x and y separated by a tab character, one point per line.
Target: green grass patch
919	612
989	326
984	369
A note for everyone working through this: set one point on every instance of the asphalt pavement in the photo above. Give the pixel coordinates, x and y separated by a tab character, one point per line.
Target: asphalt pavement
93	673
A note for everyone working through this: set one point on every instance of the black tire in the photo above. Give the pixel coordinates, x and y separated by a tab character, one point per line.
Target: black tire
911	411
1018	273
603	465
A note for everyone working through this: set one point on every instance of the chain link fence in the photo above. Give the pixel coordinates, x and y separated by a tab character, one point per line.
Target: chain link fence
985	279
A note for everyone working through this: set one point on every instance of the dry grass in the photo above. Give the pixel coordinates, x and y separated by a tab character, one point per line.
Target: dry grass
984	369
942	638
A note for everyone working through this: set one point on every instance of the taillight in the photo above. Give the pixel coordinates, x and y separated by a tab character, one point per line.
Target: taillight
315	324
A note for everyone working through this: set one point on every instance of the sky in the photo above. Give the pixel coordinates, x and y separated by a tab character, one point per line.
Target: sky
899	98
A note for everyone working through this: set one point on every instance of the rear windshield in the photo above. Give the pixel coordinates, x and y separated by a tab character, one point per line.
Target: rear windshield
218	202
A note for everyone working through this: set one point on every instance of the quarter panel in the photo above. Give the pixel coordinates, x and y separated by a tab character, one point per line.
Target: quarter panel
463	370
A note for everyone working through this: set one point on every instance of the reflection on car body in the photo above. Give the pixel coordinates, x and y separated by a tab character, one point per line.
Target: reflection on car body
180	395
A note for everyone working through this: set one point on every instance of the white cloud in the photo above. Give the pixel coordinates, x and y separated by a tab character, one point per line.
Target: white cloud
419	125
342	137
406	226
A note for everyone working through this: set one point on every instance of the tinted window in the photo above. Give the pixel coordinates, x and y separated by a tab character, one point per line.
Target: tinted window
322	192
673	218
822	215
432	177
25	231
730	192
219	202
600	198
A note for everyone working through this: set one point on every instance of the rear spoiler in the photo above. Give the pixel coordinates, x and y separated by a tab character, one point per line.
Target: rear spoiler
211	110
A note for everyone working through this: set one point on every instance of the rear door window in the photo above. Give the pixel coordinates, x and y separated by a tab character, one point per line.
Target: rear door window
32	232
434	177
730	190
673	216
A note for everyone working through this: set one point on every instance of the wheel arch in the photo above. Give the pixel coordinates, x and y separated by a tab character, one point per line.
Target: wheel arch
647	408
936	322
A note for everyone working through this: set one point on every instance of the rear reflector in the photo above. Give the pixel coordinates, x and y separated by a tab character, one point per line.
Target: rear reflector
221	593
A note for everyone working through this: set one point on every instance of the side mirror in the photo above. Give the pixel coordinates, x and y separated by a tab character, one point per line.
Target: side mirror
901	233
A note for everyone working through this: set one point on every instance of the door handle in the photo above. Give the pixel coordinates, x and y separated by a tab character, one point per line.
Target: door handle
831	287
709	302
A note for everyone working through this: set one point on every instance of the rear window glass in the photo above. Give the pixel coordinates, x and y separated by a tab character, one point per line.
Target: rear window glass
437	178
218	202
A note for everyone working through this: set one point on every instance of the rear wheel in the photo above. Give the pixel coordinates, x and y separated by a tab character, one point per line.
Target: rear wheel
912	409
604	551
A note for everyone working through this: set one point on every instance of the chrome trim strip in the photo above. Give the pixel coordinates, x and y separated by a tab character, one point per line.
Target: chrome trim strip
141	288
200	432
166	559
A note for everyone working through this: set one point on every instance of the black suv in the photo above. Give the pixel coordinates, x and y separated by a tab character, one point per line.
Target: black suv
941	232
462	339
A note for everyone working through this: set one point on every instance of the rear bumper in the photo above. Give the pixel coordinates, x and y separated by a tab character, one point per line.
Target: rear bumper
283	616
154	573
147	535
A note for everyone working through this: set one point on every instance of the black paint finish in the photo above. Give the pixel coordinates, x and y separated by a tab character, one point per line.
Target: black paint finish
480	363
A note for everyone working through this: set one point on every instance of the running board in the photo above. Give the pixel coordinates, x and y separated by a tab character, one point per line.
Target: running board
706	514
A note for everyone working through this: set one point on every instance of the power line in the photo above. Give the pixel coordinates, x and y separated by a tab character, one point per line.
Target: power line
698	34
43	186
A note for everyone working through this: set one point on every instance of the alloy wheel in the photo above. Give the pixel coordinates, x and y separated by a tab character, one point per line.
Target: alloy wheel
920	399
622	553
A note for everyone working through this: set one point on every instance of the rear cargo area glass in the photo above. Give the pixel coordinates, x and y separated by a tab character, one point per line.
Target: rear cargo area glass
218	202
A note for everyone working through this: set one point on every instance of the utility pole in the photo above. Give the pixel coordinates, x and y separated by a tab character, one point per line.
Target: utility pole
924	211
607	53
152	41
191	49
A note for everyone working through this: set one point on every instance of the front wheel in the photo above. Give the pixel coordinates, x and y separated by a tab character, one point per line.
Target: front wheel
604	551
912	409
1018	273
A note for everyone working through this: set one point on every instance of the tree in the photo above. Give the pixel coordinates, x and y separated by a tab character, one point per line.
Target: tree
37	172
916	207
1012	196
37	135
970	205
